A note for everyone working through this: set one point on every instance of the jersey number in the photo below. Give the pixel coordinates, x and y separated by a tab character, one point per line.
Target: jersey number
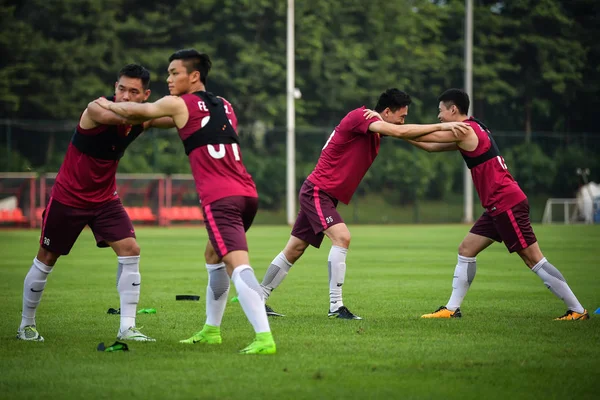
502	162
218	154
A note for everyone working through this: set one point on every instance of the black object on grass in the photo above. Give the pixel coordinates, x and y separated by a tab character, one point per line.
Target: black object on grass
187	297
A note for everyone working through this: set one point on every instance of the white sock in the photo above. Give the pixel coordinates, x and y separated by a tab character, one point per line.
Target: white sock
119	272
276	273
129	290
250	297
33	288
337	272
464	273
216	293
557	284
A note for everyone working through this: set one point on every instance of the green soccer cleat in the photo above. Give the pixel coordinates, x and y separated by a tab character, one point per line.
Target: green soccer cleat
209	335
263	344
30	334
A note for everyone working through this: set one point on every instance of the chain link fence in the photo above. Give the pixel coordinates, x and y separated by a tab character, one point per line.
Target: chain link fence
404	185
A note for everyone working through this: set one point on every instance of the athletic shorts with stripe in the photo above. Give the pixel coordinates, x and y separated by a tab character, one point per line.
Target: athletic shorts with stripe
512	227
227	220
317	213
62	224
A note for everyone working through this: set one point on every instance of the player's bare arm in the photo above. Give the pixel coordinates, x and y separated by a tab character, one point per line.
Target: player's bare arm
94	115
466	140
168	106
161	123
433	147
413	131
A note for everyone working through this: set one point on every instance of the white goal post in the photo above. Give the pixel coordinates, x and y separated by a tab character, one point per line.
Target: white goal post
569	214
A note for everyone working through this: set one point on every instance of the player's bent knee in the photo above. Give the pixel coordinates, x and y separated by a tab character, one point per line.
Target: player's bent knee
211	257
345	240
342	240
133	249
466	251
235	259
531	255
126	248
339	235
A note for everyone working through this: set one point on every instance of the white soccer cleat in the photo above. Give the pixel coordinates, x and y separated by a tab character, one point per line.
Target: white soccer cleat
134	334
30	334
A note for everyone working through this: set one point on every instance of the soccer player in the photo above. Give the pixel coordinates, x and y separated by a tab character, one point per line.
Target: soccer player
344	160
506	215
85	194
207	126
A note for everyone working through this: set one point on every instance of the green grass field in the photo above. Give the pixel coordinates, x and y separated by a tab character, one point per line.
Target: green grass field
505	346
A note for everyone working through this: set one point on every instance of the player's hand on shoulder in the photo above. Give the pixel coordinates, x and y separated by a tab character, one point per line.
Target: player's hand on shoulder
103	102
459	129
368	114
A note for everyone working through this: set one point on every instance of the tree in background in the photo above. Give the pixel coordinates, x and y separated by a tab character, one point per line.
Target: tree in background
535	67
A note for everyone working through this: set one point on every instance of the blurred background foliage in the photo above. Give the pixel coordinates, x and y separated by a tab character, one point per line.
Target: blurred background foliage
536	81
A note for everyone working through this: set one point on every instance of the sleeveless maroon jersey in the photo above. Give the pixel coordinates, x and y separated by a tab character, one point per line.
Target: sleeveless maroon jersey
346	157
84	181
497	189
217	168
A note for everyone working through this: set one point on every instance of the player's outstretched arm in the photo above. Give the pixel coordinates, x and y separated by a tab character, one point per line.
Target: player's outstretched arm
413	131
433	147
161	123
168	106
444	136
101	116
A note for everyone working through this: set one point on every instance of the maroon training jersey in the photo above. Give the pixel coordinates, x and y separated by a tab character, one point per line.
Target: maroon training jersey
496	187
84	181
346	156
218	169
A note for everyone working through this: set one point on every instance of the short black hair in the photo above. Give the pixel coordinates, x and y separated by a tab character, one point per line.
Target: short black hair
136	71
456	97
194	61
393	99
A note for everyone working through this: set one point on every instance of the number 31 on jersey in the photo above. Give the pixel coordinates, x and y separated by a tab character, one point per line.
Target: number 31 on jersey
218	154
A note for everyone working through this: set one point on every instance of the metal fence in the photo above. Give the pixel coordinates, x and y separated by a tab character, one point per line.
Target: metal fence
404	185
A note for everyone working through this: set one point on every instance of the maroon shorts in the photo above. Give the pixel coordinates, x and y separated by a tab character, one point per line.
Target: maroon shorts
317	213
227	221
62	224
512	227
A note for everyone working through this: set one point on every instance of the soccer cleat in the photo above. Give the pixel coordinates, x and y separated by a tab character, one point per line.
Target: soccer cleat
271	313
342	313
571	315
30	334
262	344
443	312
134	334
209	335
